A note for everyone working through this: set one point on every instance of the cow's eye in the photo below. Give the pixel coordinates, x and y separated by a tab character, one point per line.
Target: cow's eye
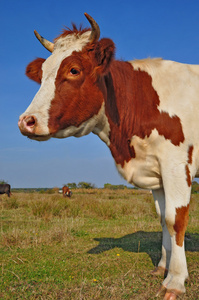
74	71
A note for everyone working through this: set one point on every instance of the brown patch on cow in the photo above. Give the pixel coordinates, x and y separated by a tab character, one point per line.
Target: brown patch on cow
79	97
188	176
34	69
190	154
132	109
131	149
181	222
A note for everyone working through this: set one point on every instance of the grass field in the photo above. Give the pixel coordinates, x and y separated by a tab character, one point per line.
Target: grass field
99	244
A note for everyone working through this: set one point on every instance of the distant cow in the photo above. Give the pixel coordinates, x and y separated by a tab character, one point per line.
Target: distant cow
146	112
5	189
66	191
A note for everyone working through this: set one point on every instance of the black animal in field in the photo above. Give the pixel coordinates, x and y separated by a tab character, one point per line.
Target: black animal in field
5	189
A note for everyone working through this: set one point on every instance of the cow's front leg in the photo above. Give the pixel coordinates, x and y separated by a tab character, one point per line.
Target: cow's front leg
163	266
174	212
178	273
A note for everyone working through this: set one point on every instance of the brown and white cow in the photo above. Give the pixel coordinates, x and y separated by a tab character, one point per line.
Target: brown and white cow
66	191
147	113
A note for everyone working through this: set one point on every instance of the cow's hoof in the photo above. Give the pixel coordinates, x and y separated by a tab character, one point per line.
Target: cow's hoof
169	294
172	295
159	271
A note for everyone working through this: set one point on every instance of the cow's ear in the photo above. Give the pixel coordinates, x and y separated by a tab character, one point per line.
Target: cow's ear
104	52
34	69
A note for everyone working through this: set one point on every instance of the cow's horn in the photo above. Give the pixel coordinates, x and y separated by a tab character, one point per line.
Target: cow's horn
95	33
48	45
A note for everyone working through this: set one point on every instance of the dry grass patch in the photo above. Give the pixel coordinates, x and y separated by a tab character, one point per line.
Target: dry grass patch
99	244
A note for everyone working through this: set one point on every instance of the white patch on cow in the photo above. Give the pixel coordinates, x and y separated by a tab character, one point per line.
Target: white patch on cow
102	128
157	162
40	105
143	170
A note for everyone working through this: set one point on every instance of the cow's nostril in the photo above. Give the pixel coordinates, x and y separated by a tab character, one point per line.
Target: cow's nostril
28	125
30	121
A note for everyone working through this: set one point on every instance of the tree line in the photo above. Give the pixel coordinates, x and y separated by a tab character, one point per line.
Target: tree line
88	185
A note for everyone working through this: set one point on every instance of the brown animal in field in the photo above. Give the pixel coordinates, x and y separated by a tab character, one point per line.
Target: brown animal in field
66	191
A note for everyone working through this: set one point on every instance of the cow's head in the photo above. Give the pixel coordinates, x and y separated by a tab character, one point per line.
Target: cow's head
70	100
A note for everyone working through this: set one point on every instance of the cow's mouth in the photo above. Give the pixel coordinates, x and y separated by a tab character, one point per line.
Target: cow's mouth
39	138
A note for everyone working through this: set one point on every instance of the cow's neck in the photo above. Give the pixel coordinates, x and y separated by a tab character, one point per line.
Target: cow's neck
119	109
131	108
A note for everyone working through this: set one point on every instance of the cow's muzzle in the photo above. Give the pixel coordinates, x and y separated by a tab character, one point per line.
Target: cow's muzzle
27	124
29	127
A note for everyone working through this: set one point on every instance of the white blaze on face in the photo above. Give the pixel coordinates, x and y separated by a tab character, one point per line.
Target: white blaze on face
41	103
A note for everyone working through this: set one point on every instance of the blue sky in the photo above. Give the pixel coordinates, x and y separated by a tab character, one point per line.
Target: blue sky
139	29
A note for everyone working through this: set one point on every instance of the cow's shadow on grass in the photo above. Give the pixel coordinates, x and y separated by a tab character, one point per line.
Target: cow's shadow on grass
148	242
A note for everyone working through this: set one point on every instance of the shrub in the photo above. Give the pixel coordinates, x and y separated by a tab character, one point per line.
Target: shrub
85	185
71	185
114	187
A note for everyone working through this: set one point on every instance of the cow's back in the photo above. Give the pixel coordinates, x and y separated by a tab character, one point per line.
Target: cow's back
177	86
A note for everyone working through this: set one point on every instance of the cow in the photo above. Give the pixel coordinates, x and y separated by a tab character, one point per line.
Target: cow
5	189
66	191
146	112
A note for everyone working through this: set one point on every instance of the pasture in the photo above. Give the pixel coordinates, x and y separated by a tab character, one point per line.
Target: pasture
99	244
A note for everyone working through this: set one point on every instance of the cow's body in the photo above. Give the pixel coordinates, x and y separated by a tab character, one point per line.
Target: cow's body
66	191
146	111
5	189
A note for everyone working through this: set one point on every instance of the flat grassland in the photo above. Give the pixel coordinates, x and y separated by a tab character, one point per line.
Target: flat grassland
98	244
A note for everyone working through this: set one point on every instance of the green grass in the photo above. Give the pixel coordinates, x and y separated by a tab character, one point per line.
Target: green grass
99	244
